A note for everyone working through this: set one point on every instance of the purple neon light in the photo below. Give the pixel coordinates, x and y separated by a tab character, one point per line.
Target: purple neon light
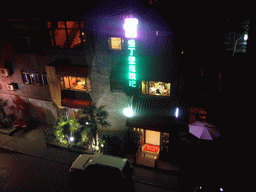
130	27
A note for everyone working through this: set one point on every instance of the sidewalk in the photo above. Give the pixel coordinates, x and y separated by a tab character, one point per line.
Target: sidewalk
33	143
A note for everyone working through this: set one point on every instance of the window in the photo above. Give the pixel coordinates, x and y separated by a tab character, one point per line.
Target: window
115	43
34	78
156	88
27	36
75	83
66	34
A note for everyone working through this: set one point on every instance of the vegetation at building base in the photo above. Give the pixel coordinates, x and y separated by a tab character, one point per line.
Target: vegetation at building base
69	132
5	120
82	133
125	142
90	118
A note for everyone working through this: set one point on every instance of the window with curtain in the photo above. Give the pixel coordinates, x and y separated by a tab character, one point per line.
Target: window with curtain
115	43
75	83
156	88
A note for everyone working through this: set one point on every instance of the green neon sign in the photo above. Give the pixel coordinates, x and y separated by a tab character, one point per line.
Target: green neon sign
132	63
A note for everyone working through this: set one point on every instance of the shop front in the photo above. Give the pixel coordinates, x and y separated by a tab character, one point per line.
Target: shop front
69	85
160	121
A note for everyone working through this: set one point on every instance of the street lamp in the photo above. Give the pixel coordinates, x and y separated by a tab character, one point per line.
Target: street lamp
177	112
128	112
245	37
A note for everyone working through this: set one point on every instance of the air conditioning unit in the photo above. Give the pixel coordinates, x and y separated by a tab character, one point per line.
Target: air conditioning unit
12	86
4	72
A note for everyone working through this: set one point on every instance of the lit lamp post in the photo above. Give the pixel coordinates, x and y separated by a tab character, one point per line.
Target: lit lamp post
128	112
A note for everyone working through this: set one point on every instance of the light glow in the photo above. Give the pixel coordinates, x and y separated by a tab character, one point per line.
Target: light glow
130	27
177	112
128	112
246	37
71	139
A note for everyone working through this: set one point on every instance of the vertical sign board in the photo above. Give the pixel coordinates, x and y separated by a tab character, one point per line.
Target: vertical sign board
130	27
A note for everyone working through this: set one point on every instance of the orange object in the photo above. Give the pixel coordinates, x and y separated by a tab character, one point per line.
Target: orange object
151	148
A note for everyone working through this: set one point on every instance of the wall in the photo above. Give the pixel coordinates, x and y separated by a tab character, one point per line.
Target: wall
31	101
103	61
30	109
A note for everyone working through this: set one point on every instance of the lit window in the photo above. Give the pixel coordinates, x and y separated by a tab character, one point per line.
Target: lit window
66	34
75	83
156	88
115	43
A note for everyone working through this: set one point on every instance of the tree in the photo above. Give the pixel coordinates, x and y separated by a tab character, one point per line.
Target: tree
89	118
239	29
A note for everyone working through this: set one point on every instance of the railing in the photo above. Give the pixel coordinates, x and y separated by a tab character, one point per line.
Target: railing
49	136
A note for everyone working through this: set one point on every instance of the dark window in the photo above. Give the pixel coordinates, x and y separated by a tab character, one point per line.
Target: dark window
21	44
66	34
27	36
25	78
34	78
45	81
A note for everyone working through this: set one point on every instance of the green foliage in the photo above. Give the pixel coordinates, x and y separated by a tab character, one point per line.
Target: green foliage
122	143
89	118
82	131
93	116
68	128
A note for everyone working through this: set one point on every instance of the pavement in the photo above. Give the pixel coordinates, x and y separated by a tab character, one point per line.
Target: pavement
33	143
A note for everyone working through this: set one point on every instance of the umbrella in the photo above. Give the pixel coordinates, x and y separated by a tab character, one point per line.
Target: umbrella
203	130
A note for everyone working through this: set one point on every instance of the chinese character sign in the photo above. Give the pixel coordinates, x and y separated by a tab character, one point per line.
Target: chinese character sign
130	27
132	63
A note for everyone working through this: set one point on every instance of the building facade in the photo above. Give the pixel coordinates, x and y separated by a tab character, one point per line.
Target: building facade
47	65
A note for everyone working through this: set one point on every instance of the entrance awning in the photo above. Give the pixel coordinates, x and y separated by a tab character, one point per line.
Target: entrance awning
74	103
156	113
65	67
74	70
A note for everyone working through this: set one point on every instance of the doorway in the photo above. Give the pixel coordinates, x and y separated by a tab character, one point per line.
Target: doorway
152	137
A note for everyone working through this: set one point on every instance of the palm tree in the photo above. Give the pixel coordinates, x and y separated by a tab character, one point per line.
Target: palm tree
90	117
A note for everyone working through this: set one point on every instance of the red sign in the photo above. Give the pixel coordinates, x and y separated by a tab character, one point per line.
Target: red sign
151	148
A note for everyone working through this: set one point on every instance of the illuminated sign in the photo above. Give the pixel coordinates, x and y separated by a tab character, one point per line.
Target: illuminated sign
130	27
132	63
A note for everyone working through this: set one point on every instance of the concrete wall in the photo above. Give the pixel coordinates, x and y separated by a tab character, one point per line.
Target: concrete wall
27	108
103	61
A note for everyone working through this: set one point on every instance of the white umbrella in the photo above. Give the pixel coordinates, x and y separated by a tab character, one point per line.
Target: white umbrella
204	130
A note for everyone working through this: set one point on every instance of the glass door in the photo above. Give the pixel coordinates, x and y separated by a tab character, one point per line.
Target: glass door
152	137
